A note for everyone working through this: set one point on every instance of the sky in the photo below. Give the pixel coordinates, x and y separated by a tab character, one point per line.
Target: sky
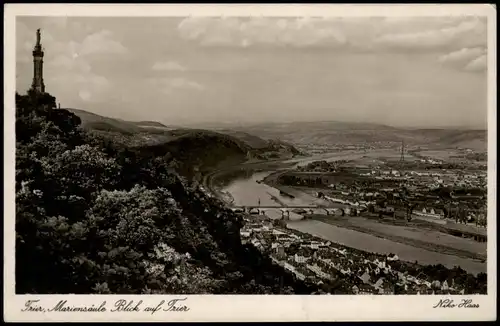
411	72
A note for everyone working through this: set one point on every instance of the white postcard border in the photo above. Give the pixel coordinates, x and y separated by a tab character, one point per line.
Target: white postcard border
246	307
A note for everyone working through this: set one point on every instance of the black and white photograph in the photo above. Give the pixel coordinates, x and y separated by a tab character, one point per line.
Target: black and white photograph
253	155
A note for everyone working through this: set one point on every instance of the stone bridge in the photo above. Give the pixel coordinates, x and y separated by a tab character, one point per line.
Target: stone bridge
285	210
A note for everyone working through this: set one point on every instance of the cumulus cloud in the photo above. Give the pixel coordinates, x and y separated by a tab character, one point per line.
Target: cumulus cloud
463	55
468	59
85	95
70	74
168	66
183	83
477	65
459	40
468	33
244	32
100	42
377	33
168	85
74	62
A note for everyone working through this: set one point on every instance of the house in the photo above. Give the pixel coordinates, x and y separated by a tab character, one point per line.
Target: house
254	211
422	288
439	212
299	275
245	234
280	251
388	288
412	291
365	278
444	286
436	284
392	257
300	259
379	283
366	289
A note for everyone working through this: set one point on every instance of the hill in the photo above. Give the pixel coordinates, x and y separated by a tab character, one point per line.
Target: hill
97	122
96	217
252	140
340	133
197	149
151	124
192	151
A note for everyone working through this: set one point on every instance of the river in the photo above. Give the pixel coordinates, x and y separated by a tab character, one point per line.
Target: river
247	192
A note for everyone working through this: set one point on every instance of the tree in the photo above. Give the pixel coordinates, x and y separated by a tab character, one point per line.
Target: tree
95	217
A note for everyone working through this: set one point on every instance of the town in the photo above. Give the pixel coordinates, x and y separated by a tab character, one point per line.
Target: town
323	262
424	187
432	205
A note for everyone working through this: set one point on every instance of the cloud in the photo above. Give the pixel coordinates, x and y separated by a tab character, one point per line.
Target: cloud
463	55
74	74
468	59
168	85
456	41
477	65
85	95
168	65
245	32
72	66
375	33
101	42
468	33
183	83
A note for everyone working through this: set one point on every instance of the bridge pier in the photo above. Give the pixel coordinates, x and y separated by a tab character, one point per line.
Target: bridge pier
285	214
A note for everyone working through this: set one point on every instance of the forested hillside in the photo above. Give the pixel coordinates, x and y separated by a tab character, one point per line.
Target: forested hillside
95	217
197	149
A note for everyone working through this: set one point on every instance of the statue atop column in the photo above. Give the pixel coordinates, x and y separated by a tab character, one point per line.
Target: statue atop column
38	84
38	36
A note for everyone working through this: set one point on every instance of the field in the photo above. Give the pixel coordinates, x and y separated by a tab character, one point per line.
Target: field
443	155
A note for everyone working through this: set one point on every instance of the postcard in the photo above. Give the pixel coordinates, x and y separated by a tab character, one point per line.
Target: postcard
249	162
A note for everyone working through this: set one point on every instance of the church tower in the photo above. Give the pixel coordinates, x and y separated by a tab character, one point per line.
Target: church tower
38	84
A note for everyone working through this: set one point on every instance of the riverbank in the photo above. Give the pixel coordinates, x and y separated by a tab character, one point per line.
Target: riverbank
210	178
370	243
421	238
417	233
259	188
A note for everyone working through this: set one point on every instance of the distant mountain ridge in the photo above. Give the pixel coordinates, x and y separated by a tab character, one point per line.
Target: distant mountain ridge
338	125
340	133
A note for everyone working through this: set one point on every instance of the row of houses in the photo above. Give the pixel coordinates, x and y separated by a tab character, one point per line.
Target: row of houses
322	261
